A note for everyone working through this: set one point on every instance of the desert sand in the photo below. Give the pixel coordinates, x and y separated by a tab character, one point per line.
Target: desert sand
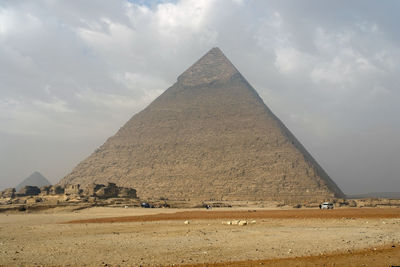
159	237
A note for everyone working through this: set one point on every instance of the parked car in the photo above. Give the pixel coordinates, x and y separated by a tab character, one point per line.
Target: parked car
326	206
146	205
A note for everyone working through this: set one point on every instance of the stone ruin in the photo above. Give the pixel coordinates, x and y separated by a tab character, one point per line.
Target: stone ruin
28	191
73	190
111	190
51	190
8	193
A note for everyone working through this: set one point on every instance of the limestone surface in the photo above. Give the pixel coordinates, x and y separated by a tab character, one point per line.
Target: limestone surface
208	136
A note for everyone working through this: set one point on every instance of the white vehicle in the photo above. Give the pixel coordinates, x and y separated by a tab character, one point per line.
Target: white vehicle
326	206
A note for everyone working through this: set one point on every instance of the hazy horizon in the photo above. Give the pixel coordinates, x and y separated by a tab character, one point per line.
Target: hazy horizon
74	72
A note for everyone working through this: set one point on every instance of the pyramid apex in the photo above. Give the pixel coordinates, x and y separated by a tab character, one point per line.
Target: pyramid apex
213	66
216	48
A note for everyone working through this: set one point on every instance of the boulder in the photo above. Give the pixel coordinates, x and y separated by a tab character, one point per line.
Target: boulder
45	190
21	208
72	189
353	203
92	189
109	191
29	191
125	192
18	201
33	200
8	193
92	199
235	222
242	223
56	190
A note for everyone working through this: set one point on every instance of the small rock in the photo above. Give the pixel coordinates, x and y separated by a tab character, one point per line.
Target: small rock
242	223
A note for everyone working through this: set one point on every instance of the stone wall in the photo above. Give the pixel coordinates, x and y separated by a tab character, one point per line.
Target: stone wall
29	191
111	190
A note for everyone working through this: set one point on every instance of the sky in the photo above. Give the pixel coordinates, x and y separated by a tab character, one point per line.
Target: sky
73	72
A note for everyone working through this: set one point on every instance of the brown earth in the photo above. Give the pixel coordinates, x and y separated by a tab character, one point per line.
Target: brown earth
386	256
257	214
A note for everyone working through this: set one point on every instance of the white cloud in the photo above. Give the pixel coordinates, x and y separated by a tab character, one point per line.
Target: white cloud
115	41
189	14
140	82
82	68
290	60
339	63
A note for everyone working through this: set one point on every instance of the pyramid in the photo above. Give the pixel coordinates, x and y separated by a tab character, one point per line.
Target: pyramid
210	137
35	179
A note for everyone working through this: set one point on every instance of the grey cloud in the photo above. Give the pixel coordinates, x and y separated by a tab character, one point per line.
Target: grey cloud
73	72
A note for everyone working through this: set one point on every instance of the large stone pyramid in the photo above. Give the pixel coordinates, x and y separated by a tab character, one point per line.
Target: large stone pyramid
209	136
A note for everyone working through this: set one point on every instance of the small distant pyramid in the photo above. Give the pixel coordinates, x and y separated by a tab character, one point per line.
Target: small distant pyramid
209	136
35	179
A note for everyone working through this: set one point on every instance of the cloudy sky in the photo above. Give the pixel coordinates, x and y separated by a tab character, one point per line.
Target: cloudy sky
73	72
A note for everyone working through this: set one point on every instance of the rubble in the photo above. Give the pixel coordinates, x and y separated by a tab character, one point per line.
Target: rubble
71	194
8	193
56	190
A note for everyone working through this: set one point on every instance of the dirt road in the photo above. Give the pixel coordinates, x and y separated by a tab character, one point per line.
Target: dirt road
255	214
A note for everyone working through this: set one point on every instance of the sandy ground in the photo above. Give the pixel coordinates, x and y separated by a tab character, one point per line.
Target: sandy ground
322	237
386	256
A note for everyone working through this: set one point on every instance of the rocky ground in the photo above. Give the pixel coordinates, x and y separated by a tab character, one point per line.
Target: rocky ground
148	238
